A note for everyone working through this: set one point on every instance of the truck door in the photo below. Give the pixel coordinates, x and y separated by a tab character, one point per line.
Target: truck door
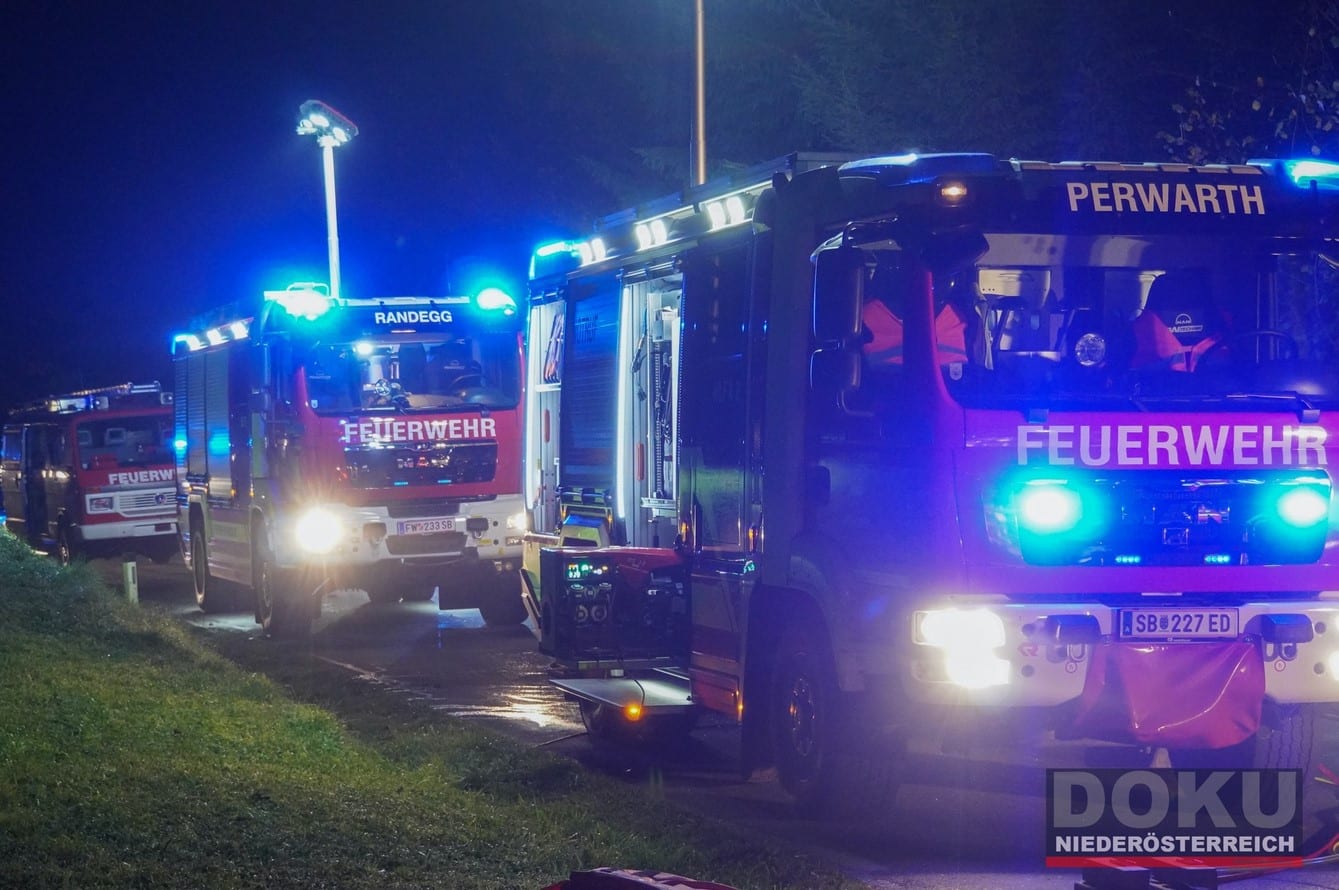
649	405
545	380
11	478
717	455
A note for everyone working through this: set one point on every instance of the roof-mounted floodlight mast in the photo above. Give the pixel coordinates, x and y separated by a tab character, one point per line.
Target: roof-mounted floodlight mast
330	129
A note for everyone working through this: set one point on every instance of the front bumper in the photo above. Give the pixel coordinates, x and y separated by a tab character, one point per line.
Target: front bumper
127	529
1041	668
362	538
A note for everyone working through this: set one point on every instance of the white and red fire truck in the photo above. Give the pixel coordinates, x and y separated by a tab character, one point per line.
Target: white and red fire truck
90	473
371	443
853	453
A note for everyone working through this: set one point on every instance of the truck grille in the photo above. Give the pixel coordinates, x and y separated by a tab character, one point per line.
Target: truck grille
423	463
157	502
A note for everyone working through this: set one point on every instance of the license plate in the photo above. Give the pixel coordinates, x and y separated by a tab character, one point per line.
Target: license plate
424	526
1181	624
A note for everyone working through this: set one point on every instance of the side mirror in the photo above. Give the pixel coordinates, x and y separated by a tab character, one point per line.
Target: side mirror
835	370
839	288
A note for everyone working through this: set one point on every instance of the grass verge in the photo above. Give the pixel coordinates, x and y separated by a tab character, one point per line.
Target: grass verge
132	754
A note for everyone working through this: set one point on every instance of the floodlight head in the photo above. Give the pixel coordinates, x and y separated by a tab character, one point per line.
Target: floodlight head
325	123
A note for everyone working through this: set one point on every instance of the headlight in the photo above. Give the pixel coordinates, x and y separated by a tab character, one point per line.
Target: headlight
974	629
968	639
100	504
518	522
318	530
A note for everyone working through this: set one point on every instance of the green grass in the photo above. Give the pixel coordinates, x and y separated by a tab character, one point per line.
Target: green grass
133	755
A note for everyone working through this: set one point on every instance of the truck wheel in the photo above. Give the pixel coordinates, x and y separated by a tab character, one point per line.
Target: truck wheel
65	552
283	613
211	594
803	719
501	604
1285	740
828	766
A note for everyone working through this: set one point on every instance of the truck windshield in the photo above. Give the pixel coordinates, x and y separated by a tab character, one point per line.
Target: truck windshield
1124	323
124	442
414	375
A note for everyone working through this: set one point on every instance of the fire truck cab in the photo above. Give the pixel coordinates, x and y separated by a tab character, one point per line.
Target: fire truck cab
852	452
90	473
335	442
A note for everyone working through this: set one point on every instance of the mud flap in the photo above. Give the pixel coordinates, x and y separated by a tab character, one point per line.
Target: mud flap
1173	695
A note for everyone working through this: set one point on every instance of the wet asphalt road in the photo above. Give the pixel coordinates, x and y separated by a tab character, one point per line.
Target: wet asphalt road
958	823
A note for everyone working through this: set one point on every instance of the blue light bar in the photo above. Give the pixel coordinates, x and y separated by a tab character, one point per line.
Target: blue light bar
1324	174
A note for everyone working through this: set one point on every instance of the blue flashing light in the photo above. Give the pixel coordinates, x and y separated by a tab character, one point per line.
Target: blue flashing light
179	445
557	247
493	299
1325	174
307	304
363	348
400	482
1218	559
218	444
1128	559
1049	508
1303	507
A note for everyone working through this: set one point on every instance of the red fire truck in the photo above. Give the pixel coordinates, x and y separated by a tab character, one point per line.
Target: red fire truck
853	452
90	473
370	443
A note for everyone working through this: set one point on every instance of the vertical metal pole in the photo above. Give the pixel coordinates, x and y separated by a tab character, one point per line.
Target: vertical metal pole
331	227
130	577
699	151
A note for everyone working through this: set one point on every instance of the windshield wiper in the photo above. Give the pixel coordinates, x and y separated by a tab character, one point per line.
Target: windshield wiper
1306	412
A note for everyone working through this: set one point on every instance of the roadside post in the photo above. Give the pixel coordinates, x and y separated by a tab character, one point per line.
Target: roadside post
130	577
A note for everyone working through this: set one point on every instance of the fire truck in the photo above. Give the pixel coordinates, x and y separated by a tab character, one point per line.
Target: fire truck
90	473
366	443
852	453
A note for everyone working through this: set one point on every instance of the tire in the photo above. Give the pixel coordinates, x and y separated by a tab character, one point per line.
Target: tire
804	720
282	611
211	594
65	551
820	756
1285	740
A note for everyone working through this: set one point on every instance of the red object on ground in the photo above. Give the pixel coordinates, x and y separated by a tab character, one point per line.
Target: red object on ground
632	879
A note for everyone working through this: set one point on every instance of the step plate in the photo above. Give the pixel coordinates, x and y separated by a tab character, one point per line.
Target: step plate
619	692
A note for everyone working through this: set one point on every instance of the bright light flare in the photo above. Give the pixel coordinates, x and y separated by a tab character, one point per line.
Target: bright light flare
1303	507
317	530
1048	508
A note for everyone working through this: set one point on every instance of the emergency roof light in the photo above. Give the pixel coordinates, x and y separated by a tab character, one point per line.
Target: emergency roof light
494	299
1307	172
301	301
912	168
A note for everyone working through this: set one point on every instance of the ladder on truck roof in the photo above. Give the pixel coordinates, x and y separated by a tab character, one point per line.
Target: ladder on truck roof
101	398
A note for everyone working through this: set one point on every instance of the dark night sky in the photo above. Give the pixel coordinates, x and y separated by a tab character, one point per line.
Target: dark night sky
152	170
